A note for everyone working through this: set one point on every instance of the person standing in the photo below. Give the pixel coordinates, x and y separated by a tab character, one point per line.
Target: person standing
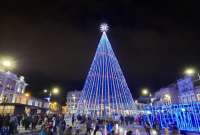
13	124
175	130
129	133
34	121
68	131
97	131
26	123
6	122
147	128
157	127
73	119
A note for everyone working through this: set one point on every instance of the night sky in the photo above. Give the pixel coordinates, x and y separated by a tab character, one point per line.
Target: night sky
54	41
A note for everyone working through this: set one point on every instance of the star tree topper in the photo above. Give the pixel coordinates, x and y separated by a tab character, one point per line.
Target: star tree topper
104	27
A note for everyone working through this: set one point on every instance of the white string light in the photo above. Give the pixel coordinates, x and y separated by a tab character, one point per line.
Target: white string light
104	27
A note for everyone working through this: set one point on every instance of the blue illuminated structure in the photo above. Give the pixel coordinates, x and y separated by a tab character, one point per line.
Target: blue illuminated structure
185	116
105	91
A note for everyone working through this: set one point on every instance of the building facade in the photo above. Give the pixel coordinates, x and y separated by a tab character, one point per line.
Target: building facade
72	101
185	90
189	90
167	95
140	106
13	100
11	86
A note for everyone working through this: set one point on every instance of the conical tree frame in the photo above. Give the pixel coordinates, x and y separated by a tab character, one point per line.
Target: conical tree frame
105	91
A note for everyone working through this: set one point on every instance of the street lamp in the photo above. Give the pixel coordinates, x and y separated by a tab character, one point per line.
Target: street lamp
27	94
45	91
7	63
53	91
148	96
189	71
145	92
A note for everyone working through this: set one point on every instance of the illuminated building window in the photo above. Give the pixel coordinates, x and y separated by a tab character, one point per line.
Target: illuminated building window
193	98
184	99
18	99
198	97
7	109
188	99
8	86
23	100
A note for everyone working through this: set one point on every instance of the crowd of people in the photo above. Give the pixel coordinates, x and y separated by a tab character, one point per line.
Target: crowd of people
82	125
58	124
10	124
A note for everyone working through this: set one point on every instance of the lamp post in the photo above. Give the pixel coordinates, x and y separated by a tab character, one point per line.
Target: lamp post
7	63
145	92
190	71
53	91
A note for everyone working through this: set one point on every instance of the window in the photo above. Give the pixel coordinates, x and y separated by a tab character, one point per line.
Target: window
198	97
23	100
7	109
193	98
185	100
188	99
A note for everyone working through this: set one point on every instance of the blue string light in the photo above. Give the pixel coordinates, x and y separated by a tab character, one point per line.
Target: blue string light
185	116
105	91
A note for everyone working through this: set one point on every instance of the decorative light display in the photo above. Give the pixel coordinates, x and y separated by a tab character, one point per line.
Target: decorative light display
104	27
184	116
105	91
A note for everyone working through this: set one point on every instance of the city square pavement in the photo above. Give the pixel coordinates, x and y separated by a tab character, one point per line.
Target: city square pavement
22	131
137	130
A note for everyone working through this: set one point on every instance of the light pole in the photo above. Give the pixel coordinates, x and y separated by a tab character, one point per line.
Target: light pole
191	72
53	91
145	92
7	63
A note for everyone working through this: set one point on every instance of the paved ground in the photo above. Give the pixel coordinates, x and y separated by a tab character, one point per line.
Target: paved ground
22	131
31	133
137	130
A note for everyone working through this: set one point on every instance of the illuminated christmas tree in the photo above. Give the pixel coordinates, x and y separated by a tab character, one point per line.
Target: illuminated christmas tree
105	91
